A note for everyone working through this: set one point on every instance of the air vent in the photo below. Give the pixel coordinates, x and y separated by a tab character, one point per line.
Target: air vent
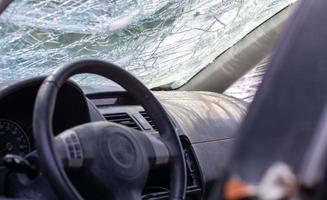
123	119
147	118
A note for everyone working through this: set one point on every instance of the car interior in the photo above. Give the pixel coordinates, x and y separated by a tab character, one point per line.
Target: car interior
63	140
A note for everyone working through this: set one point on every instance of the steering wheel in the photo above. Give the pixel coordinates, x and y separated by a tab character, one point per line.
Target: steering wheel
115	159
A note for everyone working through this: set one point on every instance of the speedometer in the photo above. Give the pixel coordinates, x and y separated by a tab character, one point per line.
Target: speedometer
13	139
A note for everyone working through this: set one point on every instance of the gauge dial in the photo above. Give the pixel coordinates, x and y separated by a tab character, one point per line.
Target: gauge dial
13	139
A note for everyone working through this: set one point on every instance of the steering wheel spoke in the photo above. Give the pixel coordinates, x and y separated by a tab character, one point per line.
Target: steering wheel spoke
69	149
158	152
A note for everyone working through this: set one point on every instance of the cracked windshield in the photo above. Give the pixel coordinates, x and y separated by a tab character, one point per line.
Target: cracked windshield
162	42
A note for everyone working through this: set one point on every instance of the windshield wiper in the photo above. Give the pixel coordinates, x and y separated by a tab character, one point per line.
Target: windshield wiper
4	4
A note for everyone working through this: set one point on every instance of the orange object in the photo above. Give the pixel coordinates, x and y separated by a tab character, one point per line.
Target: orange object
236	189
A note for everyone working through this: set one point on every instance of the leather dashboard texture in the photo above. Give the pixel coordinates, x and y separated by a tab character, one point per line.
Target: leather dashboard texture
204	116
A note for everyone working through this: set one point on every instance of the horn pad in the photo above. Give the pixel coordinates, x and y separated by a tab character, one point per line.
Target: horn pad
122	151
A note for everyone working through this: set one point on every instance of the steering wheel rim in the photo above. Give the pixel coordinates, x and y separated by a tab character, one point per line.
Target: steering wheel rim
52	167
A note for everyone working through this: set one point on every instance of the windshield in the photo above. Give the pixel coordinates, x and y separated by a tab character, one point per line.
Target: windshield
162	42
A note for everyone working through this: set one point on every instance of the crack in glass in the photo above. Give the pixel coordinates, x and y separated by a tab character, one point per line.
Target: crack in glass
162	42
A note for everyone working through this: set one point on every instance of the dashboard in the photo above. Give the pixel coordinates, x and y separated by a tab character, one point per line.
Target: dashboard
206	123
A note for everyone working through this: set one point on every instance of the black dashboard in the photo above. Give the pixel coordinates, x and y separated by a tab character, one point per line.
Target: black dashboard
206	123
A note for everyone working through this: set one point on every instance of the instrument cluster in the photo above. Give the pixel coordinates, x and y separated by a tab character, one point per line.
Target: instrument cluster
13	139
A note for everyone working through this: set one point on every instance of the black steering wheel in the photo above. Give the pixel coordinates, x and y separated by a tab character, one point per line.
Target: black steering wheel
115	159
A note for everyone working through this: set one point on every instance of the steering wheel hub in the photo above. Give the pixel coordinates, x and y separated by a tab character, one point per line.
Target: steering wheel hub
121	150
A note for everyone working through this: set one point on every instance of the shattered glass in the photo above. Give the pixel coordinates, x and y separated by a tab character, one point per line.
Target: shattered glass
162	42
